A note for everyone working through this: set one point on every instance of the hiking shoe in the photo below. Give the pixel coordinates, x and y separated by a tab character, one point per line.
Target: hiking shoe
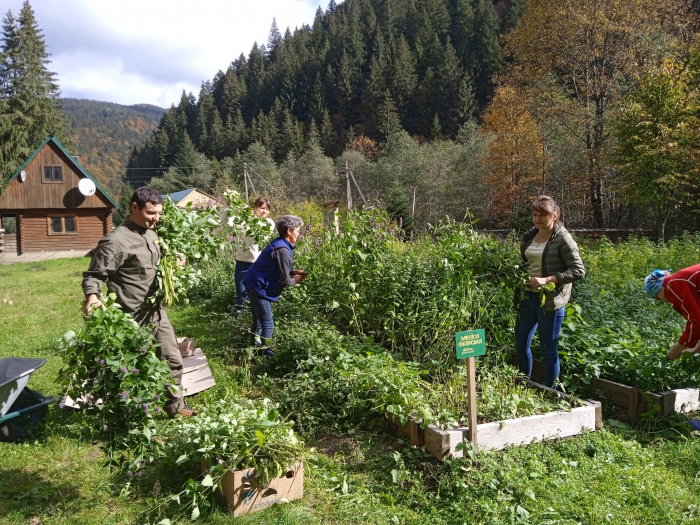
694	424
186	411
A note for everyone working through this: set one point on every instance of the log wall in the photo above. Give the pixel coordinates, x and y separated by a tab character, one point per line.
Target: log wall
91	224
10	243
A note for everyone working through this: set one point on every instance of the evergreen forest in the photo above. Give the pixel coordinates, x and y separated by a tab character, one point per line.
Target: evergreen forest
473	106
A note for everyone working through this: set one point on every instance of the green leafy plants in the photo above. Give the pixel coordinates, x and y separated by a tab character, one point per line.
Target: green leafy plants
186	236
112	371
323	378
236	436
409	297
227	436
612	330
499	396
242	222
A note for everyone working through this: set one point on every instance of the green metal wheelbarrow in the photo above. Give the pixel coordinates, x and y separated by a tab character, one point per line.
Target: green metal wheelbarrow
21	408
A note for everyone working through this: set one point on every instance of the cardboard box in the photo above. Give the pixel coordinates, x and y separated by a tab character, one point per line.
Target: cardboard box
244	495
186	346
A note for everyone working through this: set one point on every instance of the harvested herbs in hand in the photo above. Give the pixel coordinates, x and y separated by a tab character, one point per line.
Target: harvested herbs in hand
186	236
111	370
242	222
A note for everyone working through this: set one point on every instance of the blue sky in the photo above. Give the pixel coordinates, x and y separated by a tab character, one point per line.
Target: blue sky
148	51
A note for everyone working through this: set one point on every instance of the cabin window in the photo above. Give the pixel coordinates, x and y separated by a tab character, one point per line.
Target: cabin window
53	174
63	225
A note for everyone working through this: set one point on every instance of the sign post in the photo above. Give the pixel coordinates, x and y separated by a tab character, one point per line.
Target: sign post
471	344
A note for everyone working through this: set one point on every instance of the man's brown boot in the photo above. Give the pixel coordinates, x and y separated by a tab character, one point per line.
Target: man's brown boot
186	411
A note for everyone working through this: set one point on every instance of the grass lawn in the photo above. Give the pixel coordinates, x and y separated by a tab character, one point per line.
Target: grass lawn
621	475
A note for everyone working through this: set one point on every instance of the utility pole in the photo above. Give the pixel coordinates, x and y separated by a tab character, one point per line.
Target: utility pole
245	180
347	184
413	208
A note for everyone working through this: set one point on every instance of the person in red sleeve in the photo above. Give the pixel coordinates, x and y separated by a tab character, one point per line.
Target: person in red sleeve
682	290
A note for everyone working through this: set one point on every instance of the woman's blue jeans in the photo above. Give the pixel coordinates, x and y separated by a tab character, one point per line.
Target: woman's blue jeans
262	318
238	275
531	317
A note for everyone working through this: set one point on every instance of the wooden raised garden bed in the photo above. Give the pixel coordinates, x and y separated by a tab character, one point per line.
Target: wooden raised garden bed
499	434
635	400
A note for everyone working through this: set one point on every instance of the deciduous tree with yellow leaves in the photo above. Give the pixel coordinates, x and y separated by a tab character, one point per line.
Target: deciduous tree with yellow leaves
514	159
590	47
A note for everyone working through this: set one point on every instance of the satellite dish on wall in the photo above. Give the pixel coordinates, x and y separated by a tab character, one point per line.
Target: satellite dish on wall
86	187
23	176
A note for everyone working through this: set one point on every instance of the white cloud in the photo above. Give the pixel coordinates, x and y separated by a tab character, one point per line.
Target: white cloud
148	51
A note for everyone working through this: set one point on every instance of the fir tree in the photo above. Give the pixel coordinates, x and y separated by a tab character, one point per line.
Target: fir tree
486	59
217	138
435	129
450	77
125	195
274	39
32	110
466	106
325	130
463	29
403	74
388	121
398	206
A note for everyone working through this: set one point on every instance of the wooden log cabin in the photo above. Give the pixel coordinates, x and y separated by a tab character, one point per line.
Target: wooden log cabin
48	206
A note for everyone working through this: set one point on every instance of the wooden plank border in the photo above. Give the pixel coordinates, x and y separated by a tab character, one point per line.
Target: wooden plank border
500	434
521	431
635	400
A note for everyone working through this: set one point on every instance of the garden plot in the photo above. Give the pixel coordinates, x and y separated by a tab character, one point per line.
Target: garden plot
635	400
444	443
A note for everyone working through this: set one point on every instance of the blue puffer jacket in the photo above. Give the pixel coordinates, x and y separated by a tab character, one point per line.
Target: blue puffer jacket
263	277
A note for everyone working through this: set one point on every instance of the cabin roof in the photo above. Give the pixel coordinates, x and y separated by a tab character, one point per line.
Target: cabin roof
72	160
179	195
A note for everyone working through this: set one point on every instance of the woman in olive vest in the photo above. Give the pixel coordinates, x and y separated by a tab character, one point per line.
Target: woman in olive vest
552	256
269	275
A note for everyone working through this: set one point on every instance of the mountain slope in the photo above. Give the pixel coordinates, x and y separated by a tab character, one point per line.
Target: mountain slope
104	135
364	67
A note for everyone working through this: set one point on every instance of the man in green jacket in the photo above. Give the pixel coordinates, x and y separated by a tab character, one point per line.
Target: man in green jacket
126	259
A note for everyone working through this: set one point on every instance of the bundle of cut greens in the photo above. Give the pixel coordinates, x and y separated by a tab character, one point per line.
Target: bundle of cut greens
186	236
232	436
242	222
111	370
227	436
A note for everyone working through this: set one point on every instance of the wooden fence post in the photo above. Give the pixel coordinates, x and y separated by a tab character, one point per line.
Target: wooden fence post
330	214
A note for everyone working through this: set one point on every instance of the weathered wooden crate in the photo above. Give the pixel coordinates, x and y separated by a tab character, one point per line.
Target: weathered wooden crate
635	400
499	434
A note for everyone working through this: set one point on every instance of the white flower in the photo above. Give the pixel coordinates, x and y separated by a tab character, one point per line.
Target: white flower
230	221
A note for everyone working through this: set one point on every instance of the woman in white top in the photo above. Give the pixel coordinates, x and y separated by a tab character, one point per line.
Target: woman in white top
247	252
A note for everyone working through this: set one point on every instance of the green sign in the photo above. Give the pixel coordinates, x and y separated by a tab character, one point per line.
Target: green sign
471	343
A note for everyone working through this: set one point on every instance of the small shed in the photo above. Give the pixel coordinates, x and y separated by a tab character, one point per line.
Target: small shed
193	195
52	204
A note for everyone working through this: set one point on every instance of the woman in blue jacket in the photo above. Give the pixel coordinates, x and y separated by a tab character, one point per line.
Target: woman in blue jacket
270	274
